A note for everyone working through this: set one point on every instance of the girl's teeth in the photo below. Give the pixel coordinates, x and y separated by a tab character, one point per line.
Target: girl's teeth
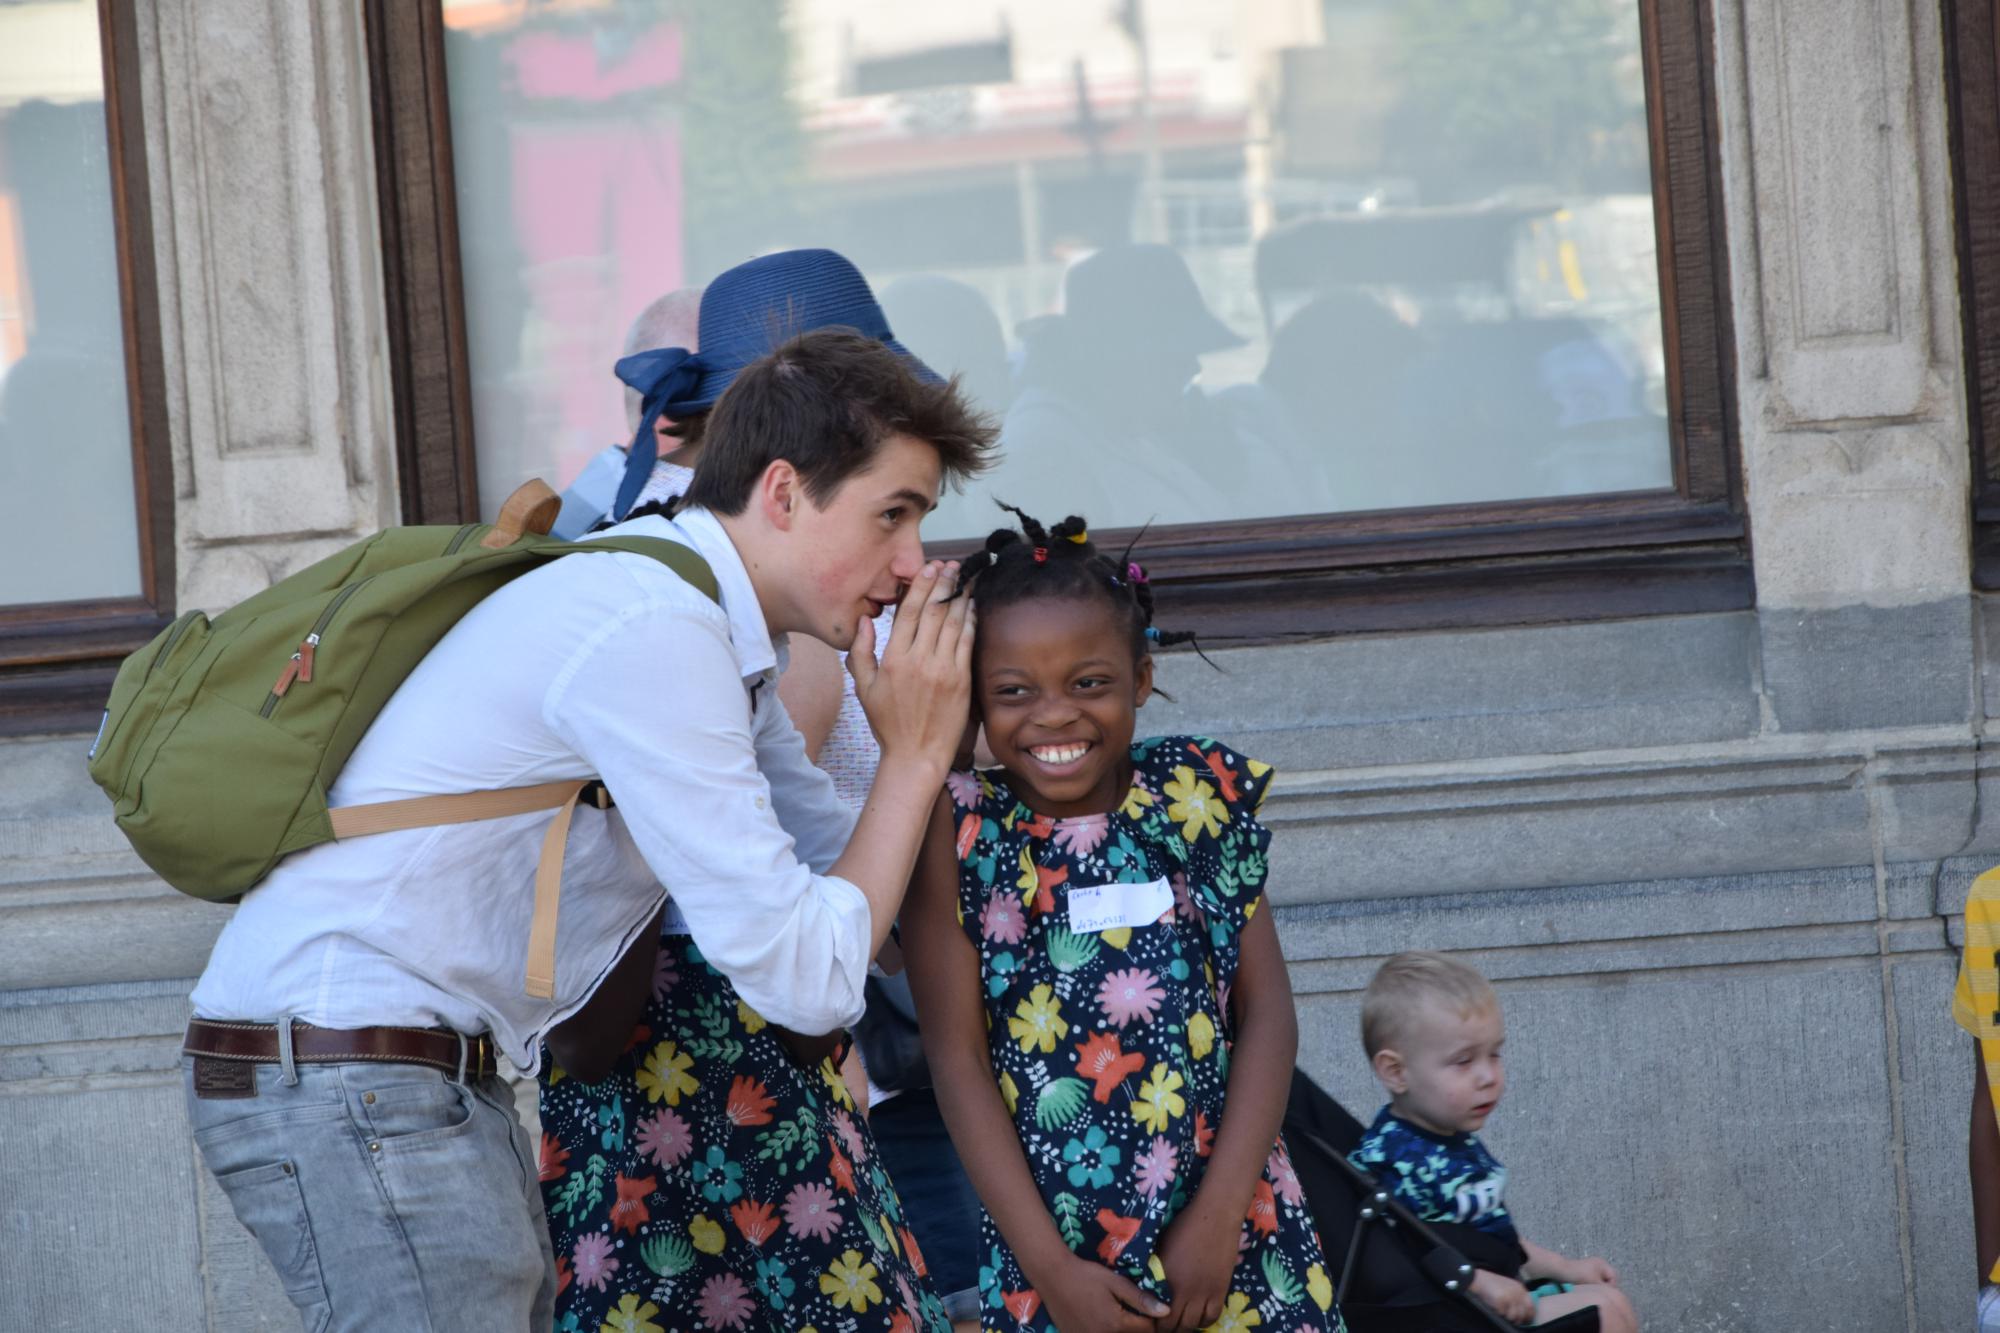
1059	754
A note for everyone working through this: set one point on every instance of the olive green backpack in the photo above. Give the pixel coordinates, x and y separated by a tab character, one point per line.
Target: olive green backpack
222	736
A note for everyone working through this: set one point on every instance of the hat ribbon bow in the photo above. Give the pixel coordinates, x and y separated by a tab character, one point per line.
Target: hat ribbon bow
658	376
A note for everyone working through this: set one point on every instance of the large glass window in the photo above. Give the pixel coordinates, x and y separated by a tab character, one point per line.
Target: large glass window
1205	261
66	454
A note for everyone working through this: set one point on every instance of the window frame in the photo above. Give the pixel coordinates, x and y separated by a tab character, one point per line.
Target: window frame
1263	580
57	659
1972	75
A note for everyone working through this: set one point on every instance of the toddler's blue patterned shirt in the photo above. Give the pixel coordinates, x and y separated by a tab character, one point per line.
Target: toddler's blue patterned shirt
1439	1177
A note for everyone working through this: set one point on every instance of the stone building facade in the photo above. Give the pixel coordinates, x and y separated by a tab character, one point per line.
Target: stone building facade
1714	861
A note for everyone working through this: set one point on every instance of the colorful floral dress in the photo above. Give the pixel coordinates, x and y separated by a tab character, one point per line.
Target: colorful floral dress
710	1182
1111	1047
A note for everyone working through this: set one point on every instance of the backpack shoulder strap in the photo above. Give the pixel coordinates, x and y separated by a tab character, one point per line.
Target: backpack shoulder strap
465	807
682	560
356	821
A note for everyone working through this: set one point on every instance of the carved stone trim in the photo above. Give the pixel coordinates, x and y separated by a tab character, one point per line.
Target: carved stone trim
257	125
1835	105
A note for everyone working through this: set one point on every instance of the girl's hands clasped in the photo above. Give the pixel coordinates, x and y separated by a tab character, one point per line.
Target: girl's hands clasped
917	697
1087	1297
1198	1251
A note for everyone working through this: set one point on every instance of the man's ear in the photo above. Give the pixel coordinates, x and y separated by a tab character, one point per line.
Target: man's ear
780	493
1393	1073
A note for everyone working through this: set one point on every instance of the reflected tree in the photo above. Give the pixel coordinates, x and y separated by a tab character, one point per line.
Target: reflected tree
743	140
1500	93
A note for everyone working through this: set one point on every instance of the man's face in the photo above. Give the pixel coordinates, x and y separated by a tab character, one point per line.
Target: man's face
857	552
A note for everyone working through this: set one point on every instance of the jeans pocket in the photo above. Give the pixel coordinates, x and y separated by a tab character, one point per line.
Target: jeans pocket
415	1109
268	1202
498	1098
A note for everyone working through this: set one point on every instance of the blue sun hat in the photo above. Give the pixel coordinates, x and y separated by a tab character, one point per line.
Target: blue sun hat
746	313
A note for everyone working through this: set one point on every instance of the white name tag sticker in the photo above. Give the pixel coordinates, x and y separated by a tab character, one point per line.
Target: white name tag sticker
675	923
1109	906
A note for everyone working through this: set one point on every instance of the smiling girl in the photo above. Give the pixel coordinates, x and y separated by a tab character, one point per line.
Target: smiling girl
1099	979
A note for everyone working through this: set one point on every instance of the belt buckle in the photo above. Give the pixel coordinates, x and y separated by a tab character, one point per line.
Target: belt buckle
475	1057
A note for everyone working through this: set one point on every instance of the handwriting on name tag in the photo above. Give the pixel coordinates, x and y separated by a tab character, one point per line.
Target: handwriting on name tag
1102	907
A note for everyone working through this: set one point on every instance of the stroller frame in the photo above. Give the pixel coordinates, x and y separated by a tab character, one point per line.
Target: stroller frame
1319	1131
1445	1265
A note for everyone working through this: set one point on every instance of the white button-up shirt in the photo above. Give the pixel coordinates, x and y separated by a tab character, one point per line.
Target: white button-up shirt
592	666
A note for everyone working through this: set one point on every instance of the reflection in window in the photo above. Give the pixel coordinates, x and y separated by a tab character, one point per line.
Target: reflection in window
1207	261
65	438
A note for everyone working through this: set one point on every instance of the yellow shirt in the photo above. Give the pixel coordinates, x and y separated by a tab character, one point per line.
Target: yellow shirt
1975	1004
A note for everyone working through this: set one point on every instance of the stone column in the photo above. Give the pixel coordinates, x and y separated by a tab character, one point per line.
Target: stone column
259	141
1837	181
1850	375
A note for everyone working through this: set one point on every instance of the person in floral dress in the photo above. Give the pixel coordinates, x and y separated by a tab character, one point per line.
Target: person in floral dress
713	1171
1105	1006
795	1224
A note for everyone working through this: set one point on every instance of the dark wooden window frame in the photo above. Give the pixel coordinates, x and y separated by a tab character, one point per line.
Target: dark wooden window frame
1516	562
1972	65
57	659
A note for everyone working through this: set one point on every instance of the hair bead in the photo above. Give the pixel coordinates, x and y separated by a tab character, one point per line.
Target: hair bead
1041	555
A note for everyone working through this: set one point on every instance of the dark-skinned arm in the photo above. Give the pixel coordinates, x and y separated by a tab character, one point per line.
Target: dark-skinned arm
1983	1160
589	1041
1260	1070
1199	1247
944	978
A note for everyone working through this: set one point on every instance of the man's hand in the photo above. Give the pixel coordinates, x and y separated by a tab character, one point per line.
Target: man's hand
1087	1297
1198	1253
917	697
1503	1296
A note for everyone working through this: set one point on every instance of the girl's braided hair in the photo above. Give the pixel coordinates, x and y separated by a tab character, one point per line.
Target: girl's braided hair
1061	561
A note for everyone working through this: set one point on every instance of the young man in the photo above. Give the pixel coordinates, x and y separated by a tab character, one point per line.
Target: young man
367	986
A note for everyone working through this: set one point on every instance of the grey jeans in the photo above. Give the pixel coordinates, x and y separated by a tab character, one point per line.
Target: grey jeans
387	1196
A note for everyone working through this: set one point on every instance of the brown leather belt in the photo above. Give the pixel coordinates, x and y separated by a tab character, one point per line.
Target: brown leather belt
257	1043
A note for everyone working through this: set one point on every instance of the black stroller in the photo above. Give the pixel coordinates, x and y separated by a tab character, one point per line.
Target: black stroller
1397	1274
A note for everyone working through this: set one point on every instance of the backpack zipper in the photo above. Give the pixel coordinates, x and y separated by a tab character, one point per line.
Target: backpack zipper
179	628
299	670
300	667
173	637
